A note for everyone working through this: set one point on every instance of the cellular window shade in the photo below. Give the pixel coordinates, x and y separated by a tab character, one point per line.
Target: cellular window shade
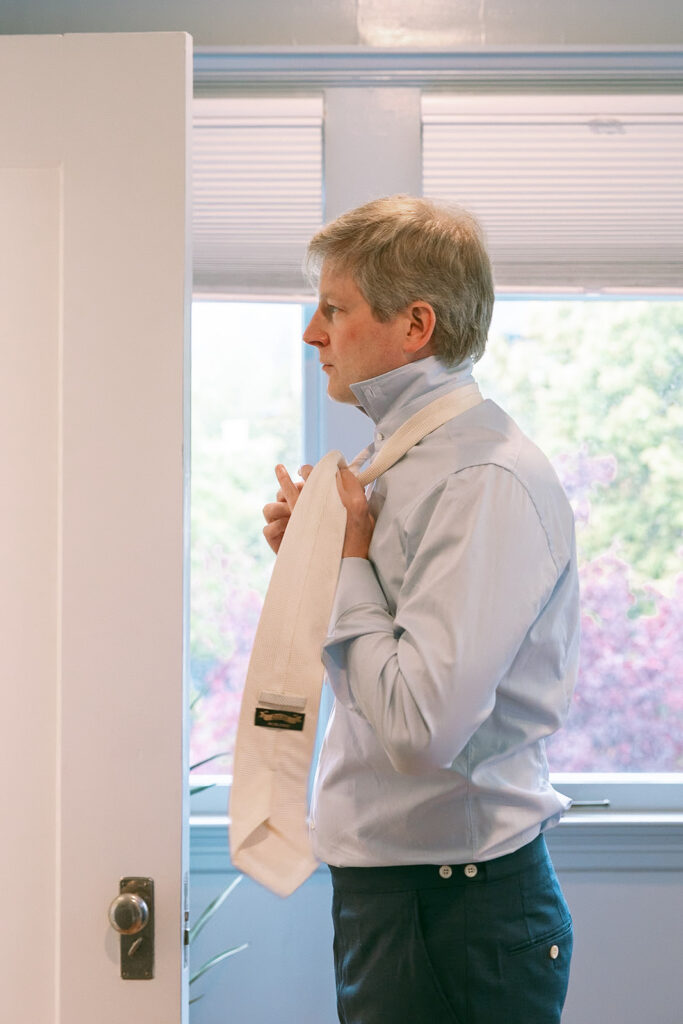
257	192
575	192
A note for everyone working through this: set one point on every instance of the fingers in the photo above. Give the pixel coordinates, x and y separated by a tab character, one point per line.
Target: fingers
351	491
276	510
274	532
359	522
281	494
276	513
290	491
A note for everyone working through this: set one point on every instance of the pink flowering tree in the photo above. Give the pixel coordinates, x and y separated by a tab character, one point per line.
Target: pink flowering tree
627	713
219	662
597	384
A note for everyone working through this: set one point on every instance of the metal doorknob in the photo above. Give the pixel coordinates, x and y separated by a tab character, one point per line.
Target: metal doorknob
128	913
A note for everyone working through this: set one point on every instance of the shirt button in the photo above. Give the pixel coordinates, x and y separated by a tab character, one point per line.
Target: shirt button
445	871
379	436
554	952
471	870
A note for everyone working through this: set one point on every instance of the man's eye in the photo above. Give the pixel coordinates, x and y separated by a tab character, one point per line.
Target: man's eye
332	309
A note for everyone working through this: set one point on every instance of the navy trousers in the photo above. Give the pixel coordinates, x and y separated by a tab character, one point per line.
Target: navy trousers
484	943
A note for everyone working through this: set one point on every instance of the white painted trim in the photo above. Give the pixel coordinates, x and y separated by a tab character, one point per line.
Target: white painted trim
628	792
635	794
587	843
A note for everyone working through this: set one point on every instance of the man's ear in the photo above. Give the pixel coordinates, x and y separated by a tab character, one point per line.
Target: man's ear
421	324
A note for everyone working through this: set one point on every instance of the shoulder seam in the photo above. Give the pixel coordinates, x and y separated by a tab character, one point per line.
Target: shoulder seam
451	474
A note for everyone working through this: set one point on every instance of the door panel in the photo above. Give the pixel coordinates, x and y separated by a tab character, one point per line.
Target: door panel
97	540
29	307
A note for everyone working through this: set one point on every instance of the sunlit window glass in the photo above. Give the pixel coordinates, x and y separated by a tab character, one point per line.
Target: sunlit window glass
246	417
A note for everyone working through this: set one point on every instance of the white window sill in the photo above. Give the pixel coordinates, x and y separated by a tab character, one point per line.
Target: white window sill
583	842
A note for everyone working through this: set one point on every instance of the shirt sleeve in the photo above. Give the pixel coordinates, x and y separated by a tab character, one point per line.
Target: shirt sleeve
478	572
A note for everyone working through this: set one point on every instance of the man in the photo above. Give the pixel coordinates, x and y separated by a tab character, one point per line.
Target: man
452	649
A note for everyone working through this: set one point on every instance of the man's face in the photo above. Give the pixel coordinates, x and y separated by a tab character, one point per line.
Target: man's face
352	345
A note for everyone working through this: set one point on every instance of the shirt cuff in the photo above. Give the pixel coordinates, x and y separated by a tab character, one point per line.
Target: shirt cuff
357	585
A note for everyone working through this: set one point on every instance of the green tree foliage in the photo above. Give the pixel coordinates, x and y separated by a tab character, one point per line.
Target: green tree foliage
603	379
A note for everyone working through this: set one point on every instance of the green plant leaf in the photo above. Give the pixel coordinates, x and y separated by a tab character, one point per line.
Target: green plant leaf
212	907
193	767
200	789
216	960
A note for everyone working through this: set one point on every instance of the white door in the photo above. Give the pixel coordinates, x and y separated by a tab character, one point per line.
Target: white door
94	298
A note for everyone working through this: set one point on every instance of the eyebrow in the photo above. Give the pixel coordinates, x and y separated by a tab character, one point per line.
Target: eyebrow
332	297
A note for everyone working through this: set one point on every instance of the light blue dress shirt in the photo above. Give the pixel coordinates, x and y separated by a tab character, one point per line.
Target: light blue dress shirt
453	650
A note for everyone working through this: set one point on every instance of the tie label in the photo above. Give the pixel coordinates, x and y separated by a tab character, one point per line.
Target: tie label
272	719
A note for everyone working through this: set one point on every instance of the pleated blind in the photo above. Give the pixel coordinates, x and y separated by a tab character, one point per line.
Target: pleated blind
257	192
575	192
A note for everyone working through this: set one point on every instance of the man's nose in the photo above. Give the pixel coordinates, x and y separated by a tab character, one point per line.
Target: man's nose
315	333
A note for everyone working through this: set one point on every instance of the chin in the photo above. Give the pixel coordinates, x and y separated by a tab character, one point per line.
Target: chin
341	394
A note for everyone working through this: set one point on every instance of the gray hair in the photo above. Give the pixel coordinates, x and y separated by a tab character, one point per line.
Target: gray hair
402	249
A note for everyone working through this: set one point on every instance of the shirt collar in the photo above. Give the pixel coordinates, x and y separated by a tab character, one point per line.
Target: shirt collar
392	397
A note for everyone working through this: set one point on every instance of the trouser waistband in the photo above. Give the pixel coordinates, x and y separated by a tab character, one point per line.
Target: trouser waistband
402	878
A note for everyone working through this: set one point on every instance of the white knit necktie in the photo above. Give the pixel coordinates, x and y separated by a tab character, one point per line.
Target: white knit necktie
279	713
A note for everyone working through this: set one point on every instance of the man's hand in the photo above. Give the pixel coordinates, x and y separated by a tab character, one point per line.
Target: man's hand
276	513
359	522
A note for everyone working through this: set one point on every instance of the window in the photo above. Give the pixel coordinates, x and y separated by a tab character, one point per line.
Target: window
597	383
576	192
246	417
257	190
580	196
588	215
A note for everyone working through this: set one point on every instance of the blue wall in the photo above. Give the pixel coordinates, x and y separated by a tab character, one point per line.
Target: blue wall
624	884
380	23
